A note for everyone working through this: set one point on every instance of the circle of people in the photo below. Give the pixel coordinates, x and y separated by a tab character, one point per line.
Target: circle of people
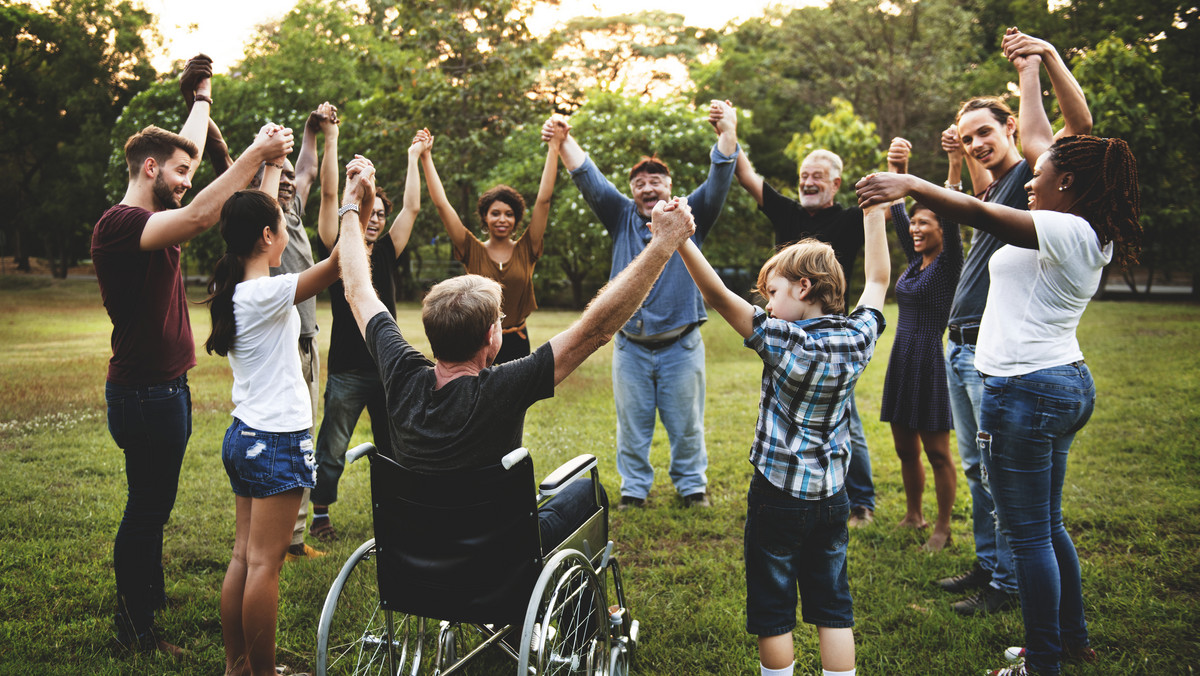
1053	210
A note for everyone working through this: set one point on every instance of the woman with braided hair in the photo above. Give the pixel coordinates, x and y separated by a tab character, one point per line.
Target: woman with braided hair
1038	392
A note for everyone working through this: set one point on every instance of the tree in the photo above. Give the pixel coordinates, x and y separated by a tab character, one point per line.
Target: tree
904	65
67	71
1129	100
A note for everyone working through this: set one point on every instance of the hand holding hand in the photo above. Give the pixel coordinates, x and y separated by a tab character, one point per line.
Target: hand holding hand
882	188
1024	51
324	118
555	130
273	142
359	173
672	221
952	144
897	155
196	78
421	144
722	116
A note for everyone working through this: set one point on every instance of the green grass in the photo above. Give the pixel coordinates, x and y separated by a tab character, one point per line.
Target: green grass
1132	503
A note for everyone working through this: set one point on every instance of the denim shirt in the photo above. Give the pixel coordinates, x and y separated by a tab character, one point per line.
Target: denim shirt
674	301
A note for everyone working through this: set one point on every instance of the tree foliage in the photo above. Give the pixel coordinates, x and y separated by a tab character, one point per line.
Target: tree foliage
67	71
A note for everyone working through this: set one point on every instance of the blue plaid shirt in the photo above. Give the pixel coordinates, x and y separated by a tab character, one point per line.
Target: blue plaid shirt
802	439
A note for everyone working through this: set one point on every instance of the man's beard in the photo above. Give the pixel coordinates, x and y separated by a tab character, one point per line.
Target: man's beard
164	195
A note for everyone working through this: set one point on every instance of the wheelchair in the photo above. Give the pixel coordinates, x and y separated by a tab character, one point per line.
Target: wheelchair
457	567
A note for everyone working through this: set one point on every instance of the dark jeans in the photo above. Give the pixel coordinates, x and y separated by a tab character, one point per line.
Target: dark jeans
152	425
566	511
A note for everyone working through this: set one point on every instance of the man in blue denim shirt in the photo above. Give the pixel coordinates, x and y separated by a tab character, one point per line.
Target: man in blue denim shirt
658	361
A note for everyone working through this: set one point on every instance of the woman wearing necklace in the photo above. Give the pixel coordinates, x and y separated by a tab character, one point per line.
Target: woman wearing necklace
507	259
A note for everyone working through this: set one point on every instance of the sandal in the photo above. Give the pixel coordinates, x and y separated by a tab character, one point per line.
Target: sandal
322	529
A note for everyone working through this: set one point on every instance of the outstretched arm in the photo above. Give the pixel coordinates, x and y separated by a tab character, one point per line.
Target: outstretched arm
1012	226
671	223
306	161
572	154
540	214
354	263
196	85
437	194
734	308
327	220
877	263
723	118
175	226
402	226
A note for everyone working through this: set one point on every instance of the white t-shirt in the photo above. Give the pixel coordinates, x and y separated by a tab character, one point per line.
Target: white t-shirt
1038	295
269	392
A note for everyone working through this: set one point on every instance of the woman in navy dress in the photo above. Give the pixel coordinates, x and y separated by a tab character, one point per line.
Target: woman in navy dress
915	397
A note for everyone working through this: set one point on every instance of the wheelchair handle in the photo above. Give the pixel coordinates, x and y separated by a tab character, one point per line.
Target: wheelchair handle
359	451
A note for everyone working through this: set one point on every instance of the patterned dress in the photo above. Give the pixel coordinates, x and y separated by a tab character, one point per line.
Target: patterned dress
914	391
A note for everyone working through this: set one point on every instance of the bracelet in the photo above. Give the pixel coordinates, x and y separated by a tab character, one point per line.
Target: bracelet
203	97
272	164
347	208
953	186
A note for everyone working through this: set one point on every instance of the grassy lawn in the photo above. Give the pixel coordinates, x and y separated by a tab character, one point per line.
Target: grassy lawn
1132	504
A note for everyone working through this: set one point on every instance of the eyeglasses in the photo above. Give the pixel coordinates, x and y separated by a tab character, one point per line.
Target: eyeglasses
501	317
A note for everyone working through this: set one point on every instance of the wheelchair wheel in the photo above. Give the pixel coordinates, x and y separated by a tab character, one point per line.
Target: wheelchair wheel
354	634
566	624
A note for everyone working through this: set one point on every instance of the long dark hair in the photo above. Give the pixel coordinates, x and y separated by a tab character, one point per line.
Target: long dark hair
243	218
1107	184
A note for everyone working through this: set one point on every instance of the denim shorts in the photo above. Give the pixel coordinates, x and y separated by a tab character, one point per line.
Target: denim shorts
261	464
795	544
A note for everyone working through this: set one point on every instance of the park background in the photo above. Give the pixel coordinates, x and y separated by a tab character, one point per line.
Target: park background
78	76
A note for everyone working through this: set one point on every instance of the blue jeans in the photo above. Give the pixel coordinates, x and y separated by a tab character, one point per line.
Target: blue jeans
860	488
1026	426
261	464
966	394
795	544
346	394
671	381
151	424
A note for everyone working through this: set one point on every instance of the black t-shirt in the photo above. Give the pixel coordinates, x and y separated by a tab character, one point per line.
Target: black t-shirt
472	421
347	351
837	226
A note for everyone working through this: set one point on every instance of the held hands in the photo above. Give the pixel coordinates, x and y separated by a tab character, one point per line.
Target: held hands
555	130
897	155
1025	51
324	119
722	116
672	221
196	78
952	144
360	182
422	143
881	189
273	142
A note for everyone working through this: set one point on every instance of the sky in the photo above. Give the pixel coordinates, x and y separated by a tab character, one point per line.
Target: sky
220	28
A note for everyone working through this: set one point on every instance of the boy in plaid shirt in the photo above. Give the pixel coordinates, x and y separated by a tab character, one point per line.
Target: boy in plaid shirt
812	355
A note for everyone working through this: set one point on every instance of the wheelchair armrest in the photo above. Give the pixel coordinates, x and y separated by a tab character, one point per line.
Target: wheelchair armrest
359	451
513	457
566	473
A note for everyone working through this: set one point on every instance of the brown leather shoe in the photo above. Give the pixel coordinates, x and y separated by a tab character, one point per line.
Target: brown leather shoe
860	516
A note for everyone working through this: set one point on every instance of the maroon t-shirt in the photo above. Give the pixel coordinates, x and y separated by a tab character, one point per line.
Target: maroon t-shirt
143	293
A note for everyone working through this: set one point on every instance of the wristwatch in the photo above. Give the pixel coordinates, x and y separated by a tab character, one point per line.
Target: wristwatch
347	208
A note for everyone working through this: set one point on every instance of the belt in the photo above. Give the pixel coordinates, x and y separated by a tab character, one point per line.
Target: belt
660	344
519	329
964	335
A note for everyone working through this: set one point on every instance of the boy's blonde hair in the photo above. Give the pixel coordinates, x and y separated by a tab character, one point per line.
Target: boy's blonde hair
815	261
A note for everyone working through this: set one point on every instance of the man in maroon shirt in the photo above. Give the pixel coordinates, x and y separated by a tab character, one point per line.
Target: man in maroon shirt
135	248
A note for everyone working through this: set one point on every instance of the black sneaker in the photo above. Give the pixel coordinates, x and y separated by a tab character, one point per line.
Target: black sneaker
988	600
628	501
696	500
976	578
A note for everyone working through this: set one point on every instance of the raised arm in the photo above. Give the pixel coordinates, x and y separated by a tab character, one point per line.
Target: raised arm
1012	226
327	219
437	194
1027	53
671	224
353	261
306	161
540	214
750	179
734	308
402	226
572	154
196	85
877	263
724	120
175	226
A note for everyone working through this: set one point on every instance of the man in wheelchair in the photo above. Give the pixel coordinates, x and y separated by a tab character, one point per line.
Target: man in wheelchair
462	414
